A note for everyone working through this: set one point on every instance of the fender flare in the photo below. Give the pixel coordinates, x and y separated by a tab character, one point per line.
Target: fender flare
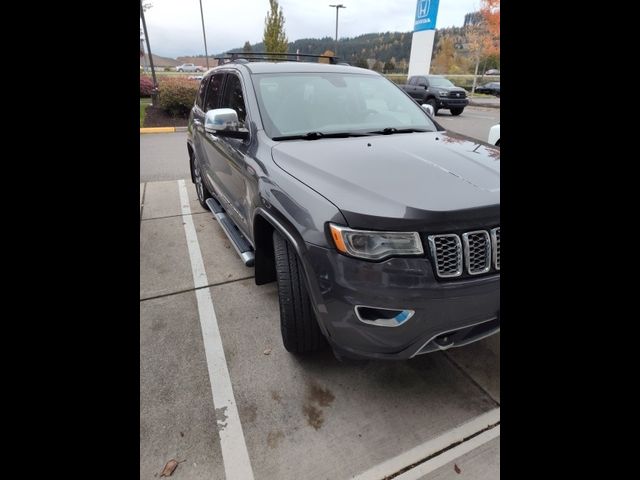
282	226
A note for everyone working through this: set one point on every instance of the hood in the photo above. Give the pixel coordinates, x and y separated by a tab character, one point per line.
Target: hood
452	89
437	179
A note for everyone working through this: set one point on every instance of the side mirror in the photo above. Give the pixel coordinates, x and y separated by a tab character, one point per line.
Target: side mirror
423	85
429	109
224	122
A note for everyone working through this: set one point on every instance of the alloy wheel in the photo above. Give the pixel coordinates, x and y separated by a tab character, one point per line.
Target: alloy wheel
198	179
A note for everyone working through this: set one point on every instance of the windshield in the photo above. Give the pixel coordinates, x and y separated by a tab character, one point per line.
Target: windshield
299	103
440	82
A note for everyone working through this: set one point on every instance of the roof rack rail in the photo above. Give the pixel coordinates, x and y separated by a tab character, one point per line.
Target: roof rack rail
245	57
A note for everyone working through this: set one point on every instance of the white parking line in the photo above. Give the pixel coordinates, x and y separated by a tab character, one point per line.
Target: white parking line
449	456
435	445
234	448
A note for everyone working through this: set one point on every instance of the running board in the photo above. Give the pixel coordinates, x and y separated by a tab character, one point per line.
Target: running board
240	244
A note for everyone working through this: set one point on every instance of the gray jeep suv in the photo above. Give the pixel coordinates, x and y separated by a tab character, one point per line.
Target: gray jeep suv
381	228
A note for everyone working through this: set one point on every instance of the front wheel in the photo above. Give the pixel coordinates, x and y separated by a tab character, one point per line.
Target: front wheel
298	324
456	111
434	104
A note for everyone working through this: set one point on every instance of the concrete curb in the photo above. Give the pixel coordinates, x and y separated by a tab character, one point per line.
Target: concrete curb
163	129
158	130
476	103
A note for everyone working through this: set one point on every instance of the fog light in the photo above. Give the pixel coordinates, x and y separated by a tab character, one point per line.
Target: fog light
383	317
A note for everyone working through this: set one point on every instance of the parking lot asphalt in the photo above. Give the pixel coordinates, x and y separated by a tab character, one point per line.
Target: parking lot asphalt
294	417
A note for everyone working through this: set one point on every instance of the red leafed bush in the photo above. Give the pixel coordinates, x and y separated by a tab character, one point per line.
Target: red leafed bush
177	95
146	86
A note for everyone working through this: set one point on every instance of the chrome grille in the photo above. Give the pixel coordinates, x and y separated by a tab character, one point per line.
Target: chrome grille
477	252
447	252
495	242
472	253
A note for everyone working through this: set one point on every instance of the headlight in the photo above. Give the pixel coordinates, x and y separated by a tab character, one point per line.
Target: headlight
443	93
373	245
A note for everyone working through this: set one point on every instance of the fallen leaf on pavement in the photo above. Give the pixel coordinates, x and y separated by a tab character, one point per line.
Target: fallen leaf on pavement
456	468
169	468
267	351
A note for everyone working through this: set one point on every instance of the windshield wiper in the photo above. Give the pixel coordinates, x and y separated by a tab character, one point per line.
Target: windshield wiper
391	130
318	135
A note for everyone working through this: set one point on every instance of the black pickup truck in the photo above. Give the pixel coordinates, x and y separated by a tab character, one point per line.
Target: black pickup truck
438	92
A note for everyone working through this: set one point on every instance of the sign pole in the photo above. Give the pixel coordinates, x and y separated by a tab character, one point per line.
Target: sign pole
424	31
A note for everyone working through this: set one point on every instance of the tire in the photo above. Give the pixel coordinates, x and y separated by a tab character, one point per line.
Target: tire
434	104
456	111
201	188
298	324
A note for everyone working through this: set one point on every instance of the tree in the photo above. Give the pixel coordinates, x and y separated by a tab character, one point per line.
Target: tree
247	47
445	57
378	66
490	11
361	62
274	38
388	67
483	36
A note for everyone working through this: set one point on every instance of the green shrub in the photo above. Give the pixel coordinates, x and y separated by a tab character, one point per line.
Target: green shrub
167	69
176	95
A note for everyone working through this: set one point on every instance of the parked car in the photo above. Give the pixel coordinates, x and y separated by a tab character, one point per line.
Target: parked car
438	92
492	88
186	67
493	71
195	77
381	228
494	135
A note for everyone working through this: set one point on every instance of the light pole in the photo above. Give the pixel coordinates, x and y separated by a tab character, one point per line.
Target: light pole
154	94
204	35
337	7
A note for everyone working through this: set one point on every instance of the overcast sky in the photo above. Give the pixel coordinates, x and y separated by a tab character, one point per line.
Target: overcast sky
175	28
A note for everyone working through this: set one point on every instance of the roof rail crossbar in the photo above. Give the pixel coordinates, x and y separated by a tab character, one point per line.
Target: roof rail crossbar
257	56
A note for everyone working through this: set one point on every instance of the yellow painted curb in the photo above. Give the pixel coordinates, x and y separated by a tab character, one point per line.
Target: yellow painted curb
158	130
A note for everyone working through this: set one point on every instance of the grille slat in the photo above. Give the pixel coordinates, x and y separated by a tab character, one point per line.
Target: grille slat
475	254
495	241
447	251
477	250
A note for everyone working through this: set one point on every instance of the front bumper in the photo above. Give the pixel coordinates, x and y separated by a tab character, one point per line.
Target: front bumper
459	311
452	102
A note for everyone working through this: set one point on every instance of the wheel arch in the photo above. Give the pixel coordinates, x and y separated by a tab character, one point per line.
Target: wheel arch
190	152
264	224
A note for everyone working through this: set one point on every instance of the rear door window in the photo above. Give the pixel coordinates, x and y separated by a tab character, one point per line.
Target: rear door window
214	91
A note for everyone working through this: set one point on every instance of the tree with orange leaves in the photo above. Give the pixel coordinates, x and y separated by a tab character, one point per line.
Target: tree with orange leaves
490	11
483	37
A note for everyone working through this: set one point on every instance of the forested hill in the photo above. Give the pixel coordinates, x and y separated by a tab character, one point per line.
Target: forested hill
384	47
